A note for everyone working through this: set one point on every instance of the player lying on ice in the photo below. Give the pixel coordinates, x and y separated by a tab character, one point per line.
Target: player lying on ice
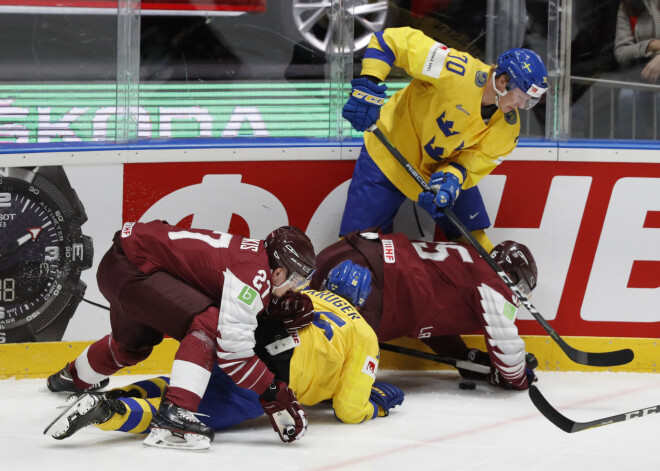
436	291
338	342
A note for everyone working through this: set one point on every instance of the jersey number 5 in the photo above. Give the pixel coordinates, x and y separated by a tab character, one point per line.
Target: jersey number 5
439	251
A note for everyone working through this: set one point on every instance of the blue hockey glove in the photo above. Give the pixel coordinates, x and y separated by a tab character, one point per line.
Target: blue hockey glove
350	281
445	189
363	106
385	396
426	201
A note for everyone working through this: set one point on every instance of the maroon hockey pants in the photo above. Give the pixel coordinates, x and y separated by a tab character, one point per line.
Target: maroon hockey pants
143	308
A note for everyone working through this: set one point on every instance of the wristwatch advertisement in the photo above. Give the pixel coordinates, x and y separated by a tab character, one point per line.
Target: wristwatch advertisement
42	253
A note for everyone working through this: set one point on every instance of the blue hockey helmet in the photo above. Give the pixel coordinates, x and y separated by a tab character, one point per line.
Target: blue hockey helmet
526	72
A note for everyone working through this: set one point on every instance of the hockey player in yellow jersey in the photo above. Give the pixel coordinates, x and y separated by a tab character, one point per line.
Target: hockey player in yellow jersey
338	360
333	358
454	122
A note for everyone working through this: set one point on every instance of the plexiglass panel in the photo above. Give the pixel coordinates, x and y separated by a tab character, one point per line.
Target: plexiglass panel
221	69
59	69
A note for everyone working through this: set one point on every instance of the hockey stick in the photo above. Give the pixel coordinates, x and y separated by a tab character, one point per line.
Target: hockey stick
615	358
570	426
462	364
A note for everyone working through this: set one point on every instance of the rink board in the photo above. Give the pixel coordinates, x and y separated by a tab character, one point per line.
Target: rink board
37	360
589	213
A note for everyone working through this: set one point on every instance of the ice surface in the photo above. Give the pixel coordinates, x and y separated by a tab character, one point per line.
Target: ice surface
438	427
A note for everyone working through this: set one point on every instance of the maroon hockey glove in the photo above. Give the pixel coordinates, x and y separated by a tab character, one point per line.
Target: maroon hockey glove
286	415
294	310
475	355
496	379
530	364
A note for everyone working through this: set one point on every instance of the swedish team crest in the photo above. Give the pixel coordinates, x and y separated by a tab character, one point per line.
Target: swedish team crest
511	117
480	78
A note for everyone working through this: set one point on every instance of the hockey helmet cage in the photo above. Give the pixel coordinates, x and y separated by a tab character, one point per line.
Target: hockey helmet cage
526	71
288	247
518	262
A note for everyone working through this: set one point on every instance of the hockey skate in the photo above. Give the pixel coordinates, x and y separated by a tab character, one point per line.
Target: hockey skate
84	410
63	382
177	428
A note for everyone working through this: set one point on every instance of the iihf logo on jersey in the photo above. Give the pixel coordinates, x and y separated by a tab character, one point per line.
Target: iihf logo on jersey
127	229
388	251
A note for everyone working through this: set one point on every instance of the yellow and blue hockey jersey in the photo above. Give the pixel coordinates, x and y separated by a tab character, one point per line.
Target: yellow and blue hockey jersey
336	359
435	121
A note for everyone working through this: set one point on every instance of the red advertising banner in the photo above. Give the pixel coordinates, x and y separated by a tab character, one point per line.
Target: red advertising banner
594	228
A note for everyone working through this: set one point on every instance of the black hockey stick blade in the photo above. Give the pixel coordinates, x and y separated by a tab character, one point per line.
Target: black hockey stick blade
571	426
606	359
603	359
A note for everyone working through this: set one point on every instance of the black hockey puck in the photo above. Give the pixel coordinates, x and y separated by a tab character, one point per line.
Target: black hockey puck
467	385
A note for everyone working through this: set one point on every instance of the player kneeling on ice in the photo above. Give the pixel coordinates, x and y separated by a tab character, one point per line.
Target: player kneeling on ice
206	289
436	291
339	343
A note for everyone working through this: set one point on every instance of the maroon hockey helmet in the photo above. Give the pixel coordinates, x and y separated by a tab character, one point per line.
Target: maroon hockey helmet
518	262
288	247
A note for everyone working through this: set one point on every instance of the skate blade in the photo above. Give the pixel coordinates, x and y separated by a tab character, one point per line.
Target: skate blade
161	438
61	424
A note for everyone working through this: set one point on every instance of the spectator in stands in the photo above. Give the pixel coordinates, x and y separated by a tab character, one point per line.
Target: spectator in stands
637	47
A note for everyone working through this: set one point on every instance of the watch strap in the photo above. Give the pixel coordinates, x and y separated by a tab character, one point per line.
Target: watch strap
55	330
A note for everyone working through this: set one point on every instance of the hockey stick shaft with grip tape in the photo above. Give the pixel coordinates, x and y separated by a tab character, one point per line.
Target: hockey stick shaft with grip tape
462	364
604	359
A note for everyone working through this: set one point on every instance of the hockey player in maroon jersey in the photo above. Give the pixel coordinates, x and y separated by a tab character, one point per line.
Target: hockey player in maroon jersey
334	359
435	291
238	279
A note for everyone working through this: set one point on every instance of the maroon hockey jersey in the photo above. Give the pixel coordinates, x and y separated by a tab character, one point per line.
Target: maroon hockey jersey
429	289
231	269
198	256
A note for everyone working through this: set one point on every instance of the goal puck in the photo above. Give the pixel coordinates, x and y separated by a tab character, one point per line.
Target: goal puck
467	385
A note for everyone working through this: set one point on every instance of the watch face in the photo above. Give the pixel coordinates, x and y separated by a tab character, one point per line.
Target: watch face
42	251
